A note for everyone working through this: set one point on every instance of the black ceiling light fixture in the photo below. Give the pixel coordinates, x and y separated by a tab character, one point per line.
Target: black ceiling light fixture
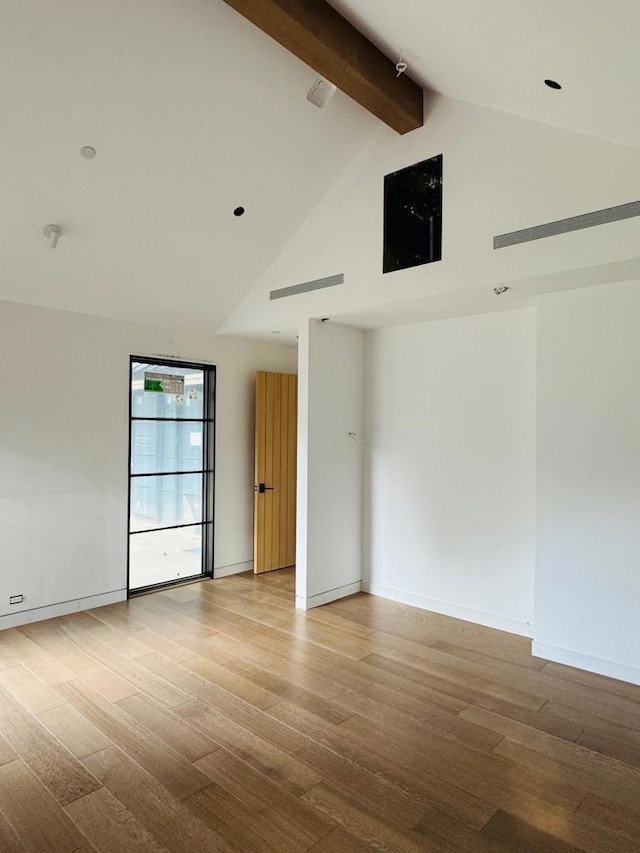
552	84
238	211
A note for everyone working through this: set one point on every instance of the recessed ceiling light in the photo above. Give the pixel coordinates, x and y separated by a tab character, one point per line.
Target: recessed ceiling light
88	152
552	84
238	211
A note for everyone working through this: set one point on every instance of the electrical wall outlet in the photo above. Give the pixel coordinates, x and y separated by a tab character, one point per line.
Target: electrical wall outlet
16	599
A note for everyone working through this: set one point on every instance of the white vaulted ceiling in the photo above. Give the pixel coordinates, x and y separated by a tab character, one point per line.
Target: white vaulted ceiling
497	53
193	112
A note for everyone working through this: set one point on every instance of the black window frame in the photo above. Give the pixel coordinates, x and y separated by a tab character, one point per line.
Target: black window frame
208	421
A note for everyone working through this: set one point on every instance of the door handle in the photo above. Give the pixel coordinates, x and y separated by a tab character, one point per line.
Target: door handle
261	488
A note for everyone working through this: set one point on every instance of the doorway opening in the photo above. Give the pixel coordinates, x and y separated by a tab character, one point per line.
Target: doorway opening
171	473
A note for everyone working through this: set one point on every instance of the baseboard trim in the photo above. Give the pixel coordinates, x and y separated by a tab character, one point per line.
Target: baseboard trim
233	569
599	666
489	620
326	597
63	608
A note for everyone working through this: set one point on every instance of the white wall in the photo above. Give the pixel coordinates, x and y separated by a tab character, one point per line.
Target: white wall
588	480
64	449
501	173
449	497
329	520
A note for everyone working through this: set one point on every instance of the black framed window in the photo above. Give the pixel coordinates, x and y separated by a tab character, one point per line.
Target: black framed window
171	472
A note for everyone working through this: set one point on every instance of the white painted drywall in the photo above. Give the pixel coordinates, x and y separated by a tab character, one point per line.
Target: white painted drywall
193	111
64	448
449	484
588	479
329	519
500	174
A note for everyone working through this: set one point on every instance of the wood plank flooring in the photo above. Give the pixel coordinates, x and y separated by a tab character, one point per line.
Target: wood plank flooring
216	717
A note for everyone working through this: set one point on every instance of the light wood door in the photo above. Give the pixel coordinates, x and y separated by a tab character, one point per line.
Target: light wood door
275	471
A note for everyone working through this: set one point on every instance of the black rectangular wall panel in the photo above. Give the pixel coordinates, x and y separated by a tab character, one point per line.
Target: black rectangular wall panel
413	216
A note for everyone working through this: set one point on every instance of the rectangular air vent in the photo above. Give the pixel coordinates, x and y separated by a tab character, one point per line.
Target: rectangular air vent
573	223
307	286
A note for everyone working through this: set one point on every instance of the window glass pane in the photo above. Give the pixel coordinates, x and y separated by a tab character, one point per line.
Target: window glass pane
165	555
158	446
159	404
165	501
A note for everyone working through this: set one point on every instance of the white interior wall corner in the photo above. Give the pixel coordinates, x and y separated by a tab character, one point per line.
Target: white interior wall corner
588	479
329	524
449	510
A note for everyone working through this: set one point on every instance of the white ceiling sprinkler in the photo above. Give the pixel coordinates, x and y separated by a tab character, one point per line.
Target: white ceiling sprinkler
52	233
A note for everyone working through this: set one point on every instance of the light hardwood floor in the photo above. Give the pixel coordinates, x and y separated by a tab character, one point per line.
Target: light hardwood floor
216	717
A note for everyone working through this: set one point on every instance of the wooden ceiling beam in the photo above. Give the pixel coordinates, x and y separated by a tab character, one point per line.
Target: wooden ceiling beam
318	35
